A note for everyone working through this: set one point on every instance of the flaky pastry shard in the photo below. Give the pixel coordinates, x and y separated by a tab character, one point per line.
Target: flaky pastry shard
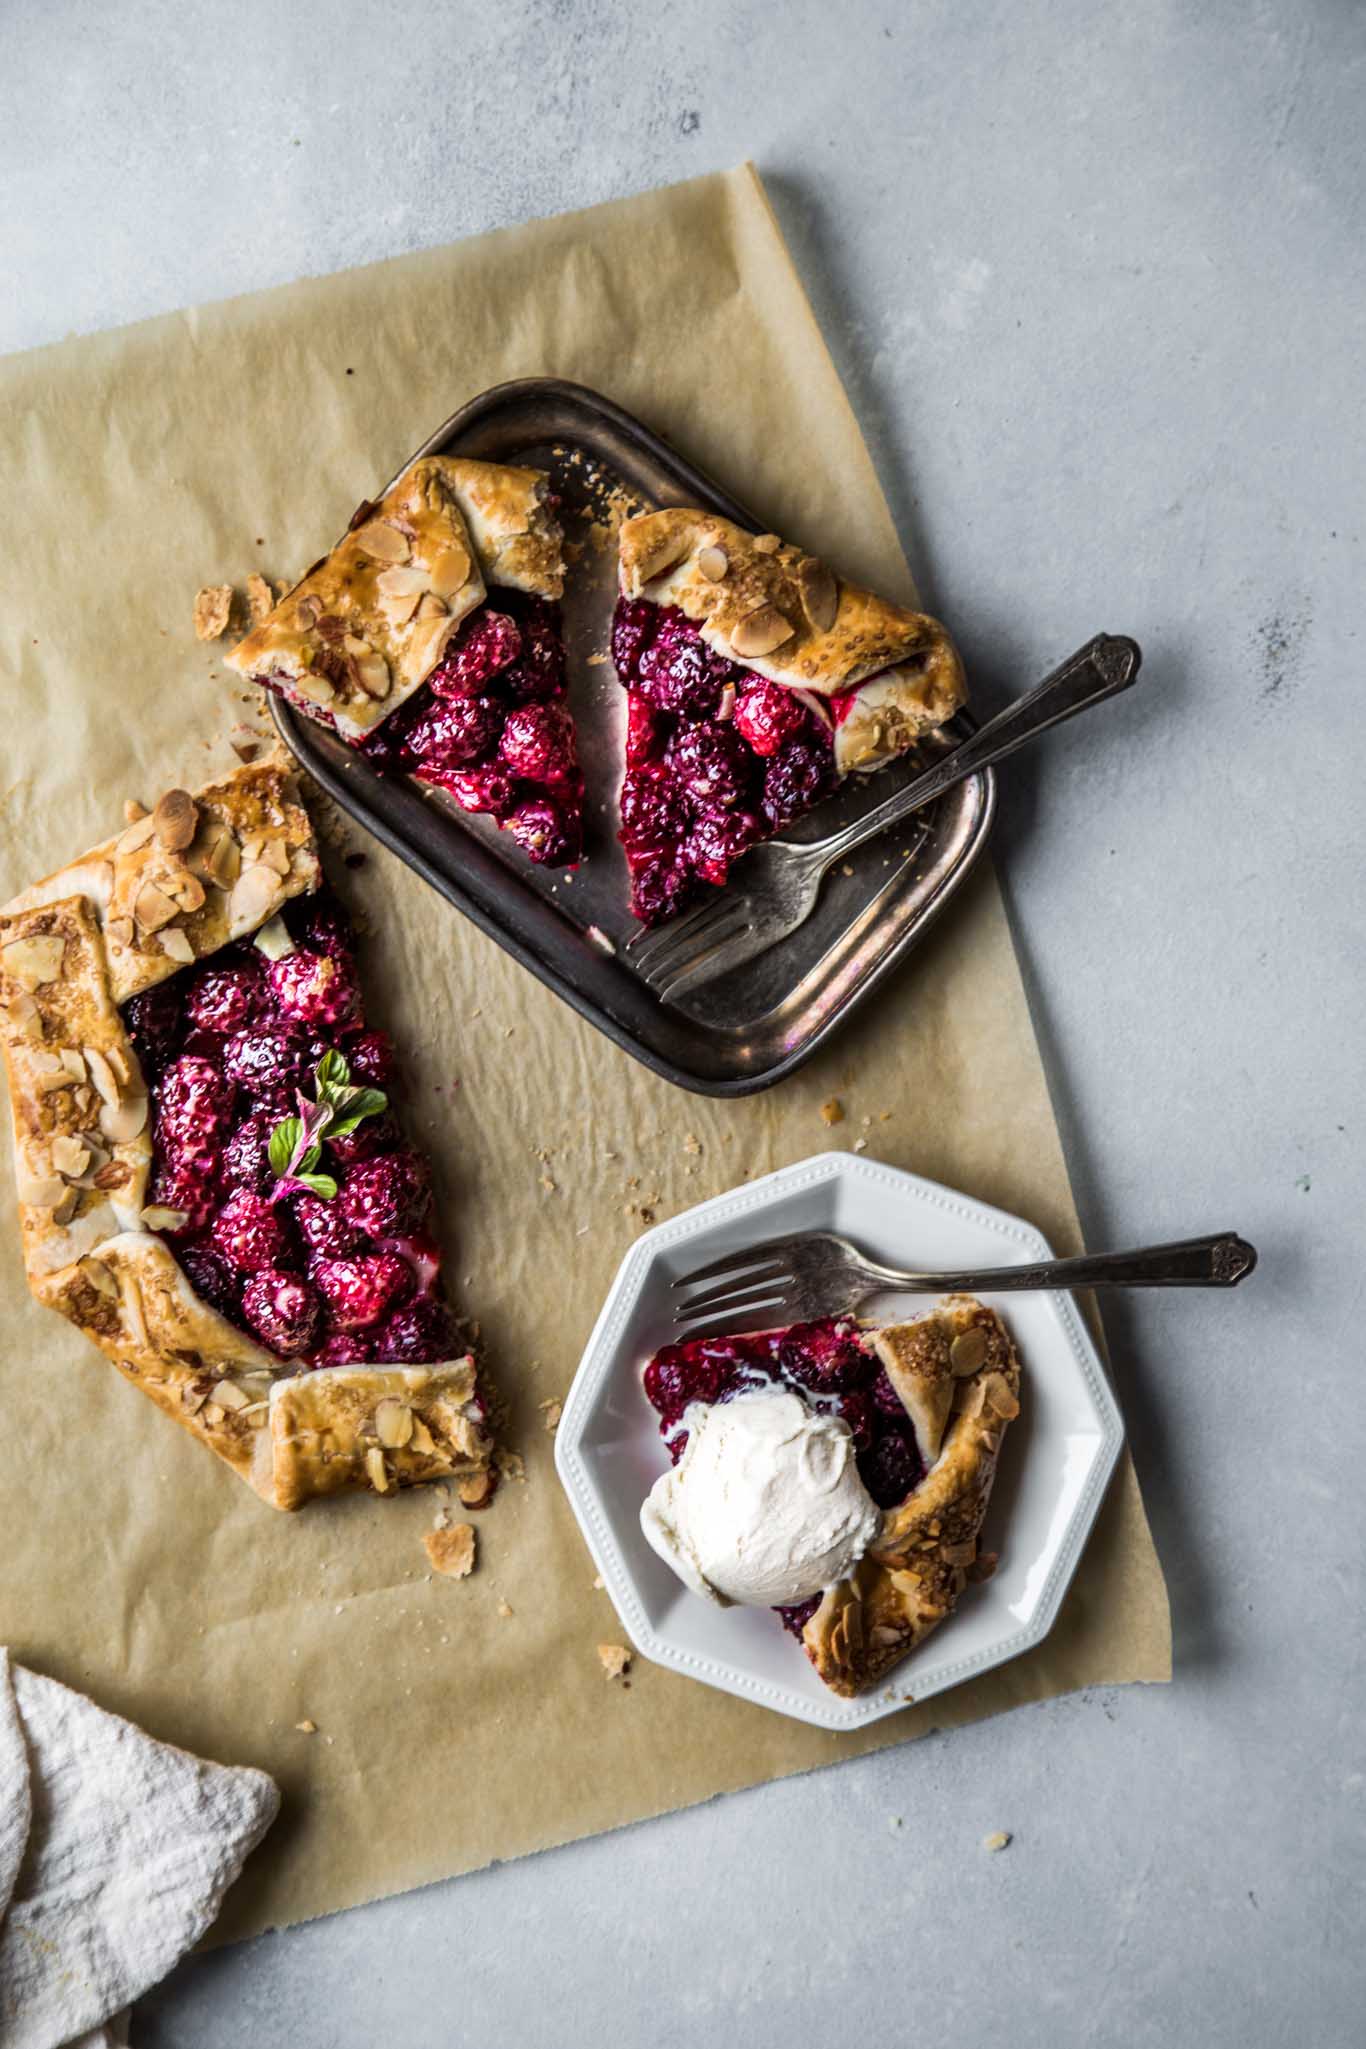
82	1148
958	1376
369	622
894	673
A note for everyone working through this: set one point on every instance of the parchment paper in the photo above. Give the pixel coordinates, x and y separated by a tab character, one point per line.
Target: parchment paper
143	463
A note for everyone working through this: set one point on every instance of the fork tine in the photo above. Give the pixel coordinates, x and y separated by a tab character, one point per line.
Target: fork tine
697	943
760	1314
735	1262
652	941
727	950
722	1311
733	1290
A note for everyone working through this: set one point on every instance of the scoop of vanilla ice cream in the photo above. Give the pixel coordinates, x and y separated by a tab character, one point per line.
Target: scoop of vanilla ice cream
765	1506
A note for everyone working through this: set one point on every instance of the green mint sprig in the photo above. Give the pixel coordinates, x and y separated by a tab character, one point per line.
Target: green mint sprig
296	1143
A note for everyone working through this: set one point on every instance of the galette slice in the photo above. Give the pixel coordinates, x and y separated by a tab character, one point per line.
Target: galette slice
926	1404
430	639
212	1182
756	680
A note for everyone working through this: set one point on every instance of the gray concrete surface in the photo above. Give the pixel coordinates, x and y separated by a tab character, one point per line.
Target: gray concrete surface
1094	278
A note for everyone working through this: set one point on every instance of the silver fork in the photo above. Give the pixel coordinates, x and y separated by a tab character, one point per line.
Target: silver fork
816	1273
777	883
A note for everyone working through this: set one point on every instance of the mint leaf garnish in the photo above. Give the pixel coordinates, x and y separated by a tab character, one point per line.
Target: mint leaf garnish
283	1143
296	1142
357	1104
317	1184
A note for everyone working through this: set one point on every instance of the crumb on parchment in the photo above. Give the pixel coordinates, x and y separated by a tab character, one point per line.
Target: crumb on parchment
615	1660
212	611
451	1551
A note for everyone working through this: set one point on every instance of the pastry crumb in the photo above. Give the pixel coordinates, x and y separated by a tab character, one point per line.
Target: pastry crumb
615	1660
691	1142
212	611
512	1465
307	1727
832	1112
451	1551
999	1841
259	599
860	1145
552	1411
504	1610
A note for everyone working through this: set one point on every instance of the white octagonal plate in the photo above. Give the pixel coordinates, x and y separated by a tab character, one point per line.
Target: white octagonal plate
1054	1464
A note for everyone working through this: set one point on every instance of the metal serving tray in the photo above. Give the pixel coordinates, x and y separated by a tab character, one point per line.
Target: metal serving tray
746	1030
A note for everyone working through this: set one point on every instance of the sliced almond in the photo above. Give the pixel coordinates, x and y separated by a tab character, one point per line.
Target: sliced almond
761	631
663	556
175	820
408	582
42	1191
712	563
100	1278
211	1413
254	896
175	944
372	673
69	1156
35	961
133	810
425	644
122	1122
996	1389
221	861
766	544
393	1422
309	609
422	1441
24	1017
65	1210
967	1351
820	593
430	606
136	835
102	1074
228	1395
377	1471
449	570
725	710
273	939
120	930
73	1061
186	890
152	908
275	854
158	1217
193	1396
382	542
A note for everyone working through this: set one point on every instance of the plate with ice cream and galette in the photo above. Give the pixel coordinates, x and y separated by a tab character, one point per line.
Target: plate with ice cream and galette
837	1517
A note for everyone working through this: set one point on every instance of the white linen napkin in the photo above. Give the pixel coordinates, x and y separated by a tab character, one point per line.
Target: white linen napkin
115	1854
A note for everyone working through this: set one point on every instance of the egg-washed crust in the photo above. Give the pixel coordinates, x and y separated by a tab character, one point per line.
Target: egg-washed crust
192	874
82	1150
376	1427
958	1376
369	622
761	601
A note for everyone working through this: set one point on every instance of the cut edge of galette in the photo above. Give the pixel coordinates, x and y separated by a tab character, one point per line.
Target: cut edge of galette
928	1402
757	679
211	1184
430	640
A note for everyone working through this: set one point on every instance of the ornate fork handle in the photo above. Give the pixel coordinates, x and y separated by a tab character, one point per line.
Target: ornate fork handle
1101	669
1218	1262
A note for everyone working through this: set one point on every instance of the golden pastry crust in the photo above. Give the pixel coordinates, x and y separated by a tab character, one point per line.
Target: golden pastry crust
957	1367
82	1152
379	1428
786	615
371	620
192	874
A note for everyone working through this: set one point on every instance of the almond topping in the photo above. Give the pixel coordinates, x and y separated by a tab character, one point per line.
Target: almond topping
431	606
65	1210
175	820
408	582
450	570
372	673
996	1388
384	543
377	1470
820	593
275	854
393	1423
186	890
712	563
176	946
766	544
24	1016
136	835
133	810
36	961
967	1351
308	609
100	1278
254	896
158	1217
422	1441
120	930
153	908
228	1395
761	631
123	1122
73	1061
194	1396
102	1074
662	557
273	939
43	1193
69	1156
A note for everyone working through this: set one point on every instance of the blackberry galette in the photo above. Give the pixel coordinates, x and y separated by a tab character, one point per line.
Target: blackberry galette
396	642
756	680
212	1184
849	1465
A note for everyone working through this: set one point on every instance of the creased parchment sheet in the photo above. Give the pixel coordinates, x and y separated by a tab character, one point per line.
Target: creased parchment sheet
190	450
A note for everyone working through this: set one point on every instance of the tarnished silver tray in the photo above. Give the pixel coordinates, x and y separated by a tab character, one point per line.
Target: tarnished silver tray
746	1030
